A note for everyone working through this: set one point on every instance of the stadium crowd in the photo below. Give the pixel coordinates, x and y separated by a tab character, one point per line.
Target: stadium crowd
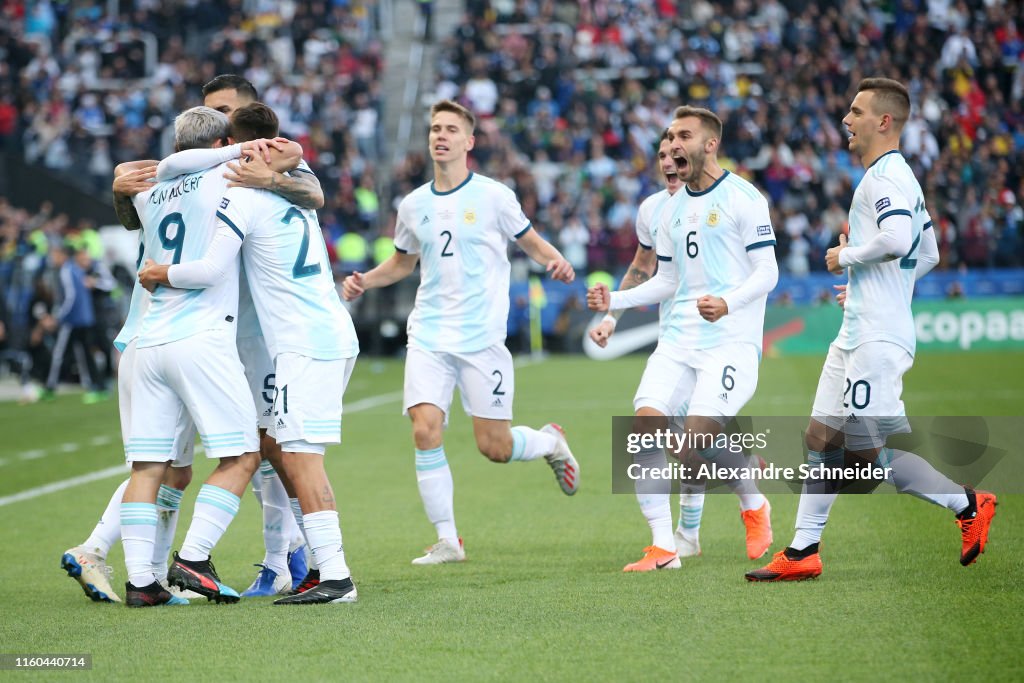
574	95
81	91
571	96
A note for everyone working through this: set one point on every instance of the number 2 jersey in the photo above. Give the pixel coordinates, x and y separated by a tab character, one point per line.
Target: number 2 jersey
878	295
707	236
461	237
179	221
289	276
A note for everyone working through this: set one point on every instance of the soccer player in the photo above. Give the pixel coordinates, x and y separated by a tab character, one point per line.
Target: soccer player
309	335
716	265
186	361
653	494
86	563
857	403
457	226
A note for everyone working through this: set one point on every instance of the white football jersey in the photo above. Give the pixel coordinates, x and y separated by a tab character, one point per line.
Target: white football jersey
878	295
648	219
137	307
707	235
289	276
248	320
179	222
461	237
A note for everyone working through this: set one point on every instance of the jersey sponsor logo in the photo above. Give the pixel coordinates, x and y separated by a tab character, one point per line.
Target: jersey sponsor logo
763	230
224	201
882	203
713	218
469	216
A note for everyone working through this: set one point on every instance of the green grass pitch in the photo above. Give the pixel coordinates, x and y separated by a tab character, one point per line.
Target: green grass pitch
542	595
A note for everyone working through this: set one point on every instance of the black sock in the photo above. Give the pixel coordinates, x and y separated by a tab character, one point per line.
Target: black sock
794	554
972	505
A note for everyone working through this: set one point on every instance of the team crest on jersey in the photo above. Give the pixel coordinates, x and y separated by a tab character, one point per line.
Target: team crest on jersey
469	216
713	218
882	203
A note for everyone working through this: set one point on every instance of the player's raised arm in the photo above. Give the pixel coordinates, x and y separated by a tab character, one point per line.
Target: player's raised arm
544	253
396	268
300	186
131	178
640	271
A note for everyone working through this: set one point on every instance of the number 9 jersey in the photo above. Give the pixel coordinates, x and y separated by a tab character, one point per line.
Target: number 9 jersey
179	222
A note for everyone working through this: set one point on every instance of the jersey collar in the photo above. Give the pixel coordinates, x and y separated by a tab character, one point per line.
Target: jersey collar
882	156
704	192
454	189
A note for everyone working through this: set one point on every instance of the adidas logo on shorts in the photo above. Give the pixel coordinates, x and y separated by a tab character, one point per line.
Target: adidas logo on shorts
852	419
280	423
497	403
266	413
724	396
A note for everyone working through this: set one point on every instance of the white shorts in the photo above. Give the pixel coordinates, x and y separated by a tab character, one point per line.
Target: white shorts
259	372
714	382
486	381
185	432
865	382
199	376
307	402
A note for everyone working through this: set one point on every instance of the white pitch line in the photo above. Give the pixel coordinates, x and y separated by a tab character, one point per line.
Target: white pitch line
119	470
32	455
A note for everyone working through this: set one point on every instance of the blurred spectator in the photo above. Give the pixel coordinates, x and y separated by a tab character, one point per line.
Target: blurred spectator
582	91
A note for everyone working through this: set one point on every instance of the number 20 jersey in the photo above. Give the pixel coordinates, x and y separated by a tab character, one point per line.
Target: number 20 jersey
179	222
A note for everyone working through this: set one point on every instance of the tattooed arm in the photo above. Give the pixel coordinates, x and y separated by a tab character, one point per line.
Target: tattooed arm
131	178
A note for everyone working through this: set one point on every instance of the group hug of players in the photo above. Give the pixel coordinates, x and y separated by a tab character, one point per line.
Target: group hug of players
236	332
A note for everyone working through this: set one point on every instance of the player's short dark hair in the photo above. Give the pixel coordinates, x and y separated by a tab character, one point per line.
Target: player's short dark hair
455	108
254	121
708	119
891	97
231	82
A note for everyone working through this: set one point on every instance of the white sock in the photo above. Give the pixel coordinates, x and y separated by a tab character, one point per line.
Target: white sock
257	485
168	501
530	444
277	520
745	488
324	535
297	515
215	508
816	501
691	509
437	490
108	531
653	497
138	532
914	475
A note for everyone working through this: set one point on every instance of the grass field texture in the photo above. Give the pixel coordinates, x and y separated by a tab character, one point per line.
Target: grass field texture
542	595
